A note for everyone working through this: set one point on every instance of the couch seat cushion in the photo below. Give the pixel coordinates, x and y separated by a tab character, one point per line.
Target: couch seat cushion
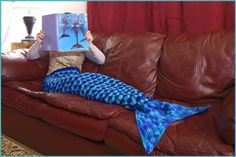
126	145
195	135
81	105
19	101
34	85
69	102
78	124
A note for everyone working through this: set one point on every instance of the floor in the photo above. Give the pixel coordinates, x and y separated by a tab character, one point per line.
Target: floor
11	147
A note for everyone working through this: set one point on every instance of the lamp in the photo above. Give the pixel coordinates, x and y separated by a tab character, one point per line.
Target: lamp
29	23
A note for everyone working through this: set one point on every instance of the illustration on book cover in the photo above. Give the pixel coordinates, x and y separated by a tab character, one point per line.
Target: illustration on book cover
65	32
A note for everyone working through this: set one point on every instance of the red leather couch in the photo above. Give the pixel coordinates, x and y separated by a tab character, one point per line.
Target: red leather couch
189	69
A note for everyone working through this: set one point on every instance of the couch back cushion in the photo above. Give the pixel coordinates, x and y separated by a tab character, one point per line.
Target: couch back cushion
130	57
194	67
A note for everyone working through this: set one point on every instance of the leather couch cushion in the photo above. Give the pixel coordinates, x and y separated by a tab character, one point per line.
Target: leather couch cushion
34	85
195	135
225	119
16	67
131	58
119	142
83	106
19	101
69	102
66	120
82	125
196	66
47	139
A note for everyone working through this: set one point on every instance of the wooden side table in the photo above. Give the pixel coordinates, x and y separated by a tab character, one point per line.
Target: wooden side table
20	45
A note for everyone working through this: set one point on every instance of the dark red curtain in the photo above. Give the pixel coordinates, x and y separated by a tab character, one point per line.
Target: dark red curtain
162	17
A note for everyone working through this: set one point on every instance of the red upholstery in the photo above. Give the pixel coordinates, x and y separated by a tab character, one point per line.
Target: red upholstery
225	122
186	137
18	68
189	69
126	53
119	141
66	120
34	132
67	101
196	66
34	85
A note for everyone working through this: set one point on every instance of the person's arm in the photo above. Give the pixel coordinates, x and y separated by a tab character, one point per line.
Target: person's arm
35	51
95	54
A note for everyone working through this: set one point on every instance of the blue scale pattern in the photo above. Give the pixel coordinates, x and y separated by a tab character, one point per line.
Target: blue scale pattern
152	116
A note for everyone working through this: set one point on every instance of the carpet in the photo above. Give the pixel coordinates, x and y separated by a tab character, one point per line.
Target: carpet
11	147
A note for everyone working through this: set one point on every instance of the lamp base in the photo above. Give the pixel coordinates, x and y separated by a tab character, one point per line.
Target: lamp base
28	40
29	23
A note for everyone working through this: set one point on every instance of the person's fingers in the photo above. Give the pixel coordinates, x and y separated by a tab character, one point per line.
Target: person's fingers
41	35
89	39
40	38
41	32
88	32
88	36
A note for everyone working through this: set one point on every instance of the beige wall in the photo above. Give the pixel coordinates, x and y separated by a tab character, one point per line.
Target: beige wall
13	28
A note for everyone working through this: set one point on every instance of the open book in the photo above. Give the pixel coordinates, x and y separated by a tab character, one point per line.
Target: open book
65	32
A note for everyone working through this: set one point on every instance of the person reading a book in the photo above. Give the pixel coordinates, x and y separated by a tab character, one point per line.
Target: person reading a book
65	59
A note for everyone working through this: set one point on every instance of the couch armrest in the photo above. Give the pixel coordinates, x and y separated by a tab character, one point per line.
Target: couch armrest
225	121
15	66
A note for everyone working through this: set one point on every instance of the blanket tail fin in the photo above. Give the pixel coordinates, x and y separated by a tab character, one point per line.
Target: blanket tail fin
151	125
151	128
177	112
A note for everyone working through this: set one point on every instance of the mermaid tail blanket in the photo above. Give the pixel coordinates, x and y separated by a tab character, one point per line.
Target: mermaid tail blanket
152	116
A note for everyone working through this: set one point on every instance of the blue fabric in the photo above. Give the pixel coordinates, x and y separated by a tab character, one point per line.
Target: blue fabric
152	116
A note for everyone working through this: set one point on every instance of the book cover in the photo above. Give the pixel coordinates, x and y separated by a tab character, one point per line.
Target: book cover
64	32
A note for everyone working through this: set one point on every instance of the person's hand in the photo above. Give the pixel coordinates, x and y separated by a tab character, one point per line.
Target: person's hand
88	37
40	37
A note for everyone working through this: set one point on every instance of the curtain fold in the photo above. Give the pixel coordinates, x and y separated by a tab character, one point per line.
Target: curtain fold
162	17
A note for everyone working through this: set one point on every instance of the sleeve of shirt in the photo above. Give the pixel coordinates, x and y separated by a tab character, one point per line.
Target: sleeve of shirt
95	54
35	51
